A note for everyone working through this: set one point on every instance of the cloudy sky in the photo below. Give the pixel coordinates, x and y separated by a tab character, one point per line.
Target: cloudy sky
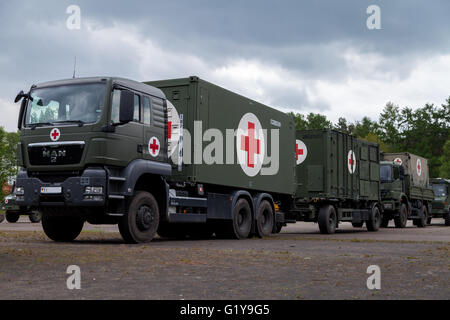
302	56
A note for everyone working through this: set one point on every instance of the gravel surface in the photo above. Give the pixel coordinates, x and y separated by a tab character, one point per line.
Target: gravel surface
298	263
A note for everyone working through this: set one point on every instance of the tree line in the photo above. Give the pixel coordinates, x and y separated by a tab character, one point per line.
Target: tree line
424	131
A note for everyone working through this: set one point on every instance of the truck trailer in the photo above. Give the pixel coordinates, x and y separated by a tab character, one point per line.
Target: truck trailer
405	190
337	180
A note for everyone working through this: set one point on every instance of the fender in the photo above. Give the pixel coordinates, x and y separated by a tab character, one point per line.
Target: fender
137	168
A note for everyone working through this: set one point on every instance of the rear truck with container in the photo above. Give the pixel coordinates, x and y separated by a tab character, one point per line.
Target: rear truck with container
440	207
185	159
337	181
405	190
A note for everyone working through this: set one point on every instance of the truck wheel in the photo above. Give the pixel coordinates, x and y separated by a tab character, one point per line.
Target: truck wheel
422	222
429	220
265	219
62	229
373	224
12	217
402	218
2	217
35	216
141	221
240	226
327	219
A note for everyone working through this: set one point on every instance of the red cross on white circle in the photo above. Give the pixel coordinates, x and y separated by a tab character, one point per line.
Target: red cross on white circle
250	145
419	167
55	134
153	146
398	161
300	151
351	162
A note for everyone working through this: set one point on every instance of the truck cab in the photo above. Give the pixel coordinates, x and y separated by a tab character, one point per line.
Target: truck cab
441	202
87	146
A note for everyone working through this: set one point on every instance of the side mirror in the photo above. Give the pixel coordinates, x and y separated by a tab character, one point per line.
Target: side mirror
19	96
126	106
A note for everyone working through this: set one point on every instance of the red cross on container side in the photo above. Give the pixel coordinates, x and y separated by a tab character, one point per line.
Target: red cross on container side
351	162
298	152
250	145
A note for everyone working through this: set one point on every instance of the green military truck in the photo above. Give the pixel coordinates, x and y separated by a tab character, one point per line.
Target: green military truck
116	151
405	191
441	202
337	181
13	211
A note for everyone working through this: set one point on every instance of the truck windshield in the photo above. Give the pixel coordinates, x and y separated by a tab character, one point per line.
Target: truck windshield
76	103
386	173
439	190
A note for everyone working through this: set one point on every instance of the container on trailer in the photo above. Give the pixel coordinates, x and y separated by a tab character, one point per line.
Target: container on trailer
210	116
335	165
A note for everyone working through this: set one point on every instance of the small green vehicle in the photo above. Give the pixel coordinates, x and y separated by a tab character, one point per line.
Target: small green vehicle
13	211
441	203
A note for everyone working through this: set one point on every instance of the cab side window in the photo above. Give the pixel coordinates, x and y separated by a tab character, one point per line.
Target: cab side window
137	108
115	107
147	112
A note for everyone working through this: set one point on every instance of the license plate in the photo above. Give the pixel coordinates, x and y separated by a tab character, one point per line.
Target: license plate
51	190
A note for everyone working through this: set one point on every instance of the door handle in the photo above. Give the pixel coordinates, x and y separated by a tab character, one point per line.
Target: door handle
140	147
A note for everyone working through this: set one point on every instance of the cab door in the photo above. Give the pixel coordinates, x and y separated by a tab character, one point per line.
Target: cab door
155	136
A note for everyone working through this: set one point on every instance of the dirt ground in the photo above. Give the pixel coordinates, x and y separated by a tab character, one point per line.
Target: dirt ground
298	263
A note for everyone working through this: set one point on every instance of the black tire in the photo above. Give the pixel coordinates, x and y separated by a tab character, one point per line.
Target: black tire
2	217
374	222
12	217
422	222
384	221
35	216
141	221
402	218
327	219
447	219
429	220
240	226
264	219
357	224
62	229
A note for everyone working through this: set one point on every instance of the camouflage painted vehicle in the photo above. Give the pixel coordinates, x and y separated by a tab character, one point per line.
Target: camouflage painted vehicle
441	202
405	191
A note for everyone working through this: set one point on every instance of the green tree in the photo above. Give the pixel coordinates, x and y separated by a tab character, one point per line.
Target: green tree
444	170
343	126
8	158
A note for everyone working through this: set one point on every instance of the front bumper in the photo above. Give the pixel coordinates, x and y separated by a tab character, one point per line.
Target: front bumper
72	190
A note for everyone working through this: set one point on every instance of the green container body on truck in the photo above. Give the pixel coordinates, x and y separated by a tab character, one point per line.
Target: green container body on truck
107	151
207	107
405	190
337	180
441	203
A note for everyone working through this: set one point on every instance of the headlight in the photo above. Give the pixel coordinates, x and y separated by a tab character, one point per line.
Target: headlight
20	191
93	190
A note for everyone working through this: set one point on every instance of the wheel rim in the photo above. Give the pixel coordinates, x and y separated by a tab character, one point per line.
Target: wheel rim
144	218
242	215
265	221
331	221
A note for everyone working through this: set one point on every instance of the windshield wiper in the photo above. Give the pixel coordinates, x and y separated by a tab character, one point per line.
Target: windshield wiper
80	122
34	125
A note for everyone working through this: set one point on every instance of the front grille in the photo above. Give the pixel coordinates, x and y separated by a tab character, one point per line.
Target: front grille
51	177
55	154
